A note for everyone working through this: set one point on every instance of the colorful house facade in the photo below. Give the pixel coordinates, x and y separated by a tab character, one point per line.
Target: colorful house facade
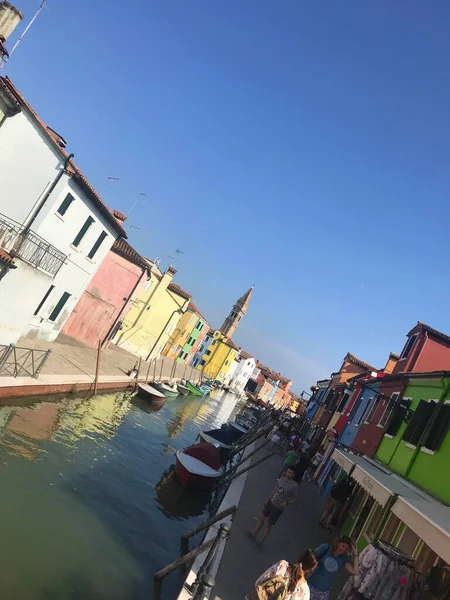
424	348
99	313
153	316
55	230
190	329
218	357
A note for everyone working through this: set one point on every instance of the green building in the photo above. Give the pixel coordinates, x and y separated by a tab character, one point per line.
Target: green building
402	496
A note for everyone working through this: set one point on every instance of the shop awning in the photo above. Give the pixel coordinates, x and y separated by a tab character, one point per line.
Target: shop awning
380	483
429	519
344	460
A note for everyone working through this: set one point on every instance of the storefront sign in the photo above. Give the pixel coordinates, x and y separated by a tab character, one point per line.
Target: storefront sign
372	487
342	460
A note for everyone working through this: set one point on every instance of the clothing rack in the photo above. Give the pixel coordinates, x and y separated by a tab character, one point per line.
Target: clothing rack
395	553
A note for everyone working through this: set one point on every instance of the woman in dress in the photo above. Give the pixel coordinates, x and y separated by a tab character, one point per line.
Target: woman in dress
297	586
341	553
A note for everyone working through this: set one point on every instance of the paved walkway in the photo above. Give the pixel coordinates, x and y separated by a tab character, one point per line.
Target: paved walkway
73	363
296	530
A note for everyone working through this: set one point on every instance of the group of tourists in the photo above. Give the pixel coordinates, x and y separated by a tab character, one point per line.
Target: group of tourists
313	575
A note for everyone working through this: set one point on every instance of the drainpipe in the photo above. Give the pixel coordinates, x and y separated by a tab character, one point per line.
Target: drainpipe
120	313
47	194
163	331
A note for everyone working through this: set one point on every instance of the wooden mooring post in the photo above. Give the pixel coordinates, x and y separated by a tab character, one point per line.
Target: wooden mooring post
97	366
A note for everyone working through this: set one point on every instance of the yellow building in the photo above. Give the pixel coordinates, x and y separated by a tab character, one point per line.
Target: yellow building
154	315
218	357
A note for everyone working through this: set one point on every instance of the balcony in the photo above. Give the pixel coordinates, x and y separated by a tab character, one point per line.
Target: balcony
29	247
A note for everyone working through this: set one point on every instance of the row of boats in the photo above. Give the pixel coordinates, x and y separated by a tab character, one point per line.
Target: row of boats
203	464
157	393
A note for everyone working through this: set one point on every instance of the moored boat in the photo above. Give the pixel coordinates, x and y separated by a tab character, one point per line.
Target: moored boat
150	393
184	390
193	389
237	431
167	390
198	465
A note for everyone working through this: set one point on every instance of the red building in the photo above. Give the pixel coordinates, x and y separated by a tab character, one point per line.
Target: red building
100	310
426	349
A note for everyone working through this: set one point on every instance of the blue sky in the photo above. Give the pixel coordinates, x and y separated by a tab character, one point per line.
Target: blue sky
299	146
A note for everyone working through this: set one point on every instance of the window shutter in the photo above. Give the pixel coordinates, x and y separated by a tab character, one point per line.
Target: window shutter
438	427
418	423
398	416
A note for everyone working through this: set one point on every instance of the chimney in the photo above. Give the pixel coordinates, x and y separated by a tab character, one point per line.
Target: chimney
119	217
10	17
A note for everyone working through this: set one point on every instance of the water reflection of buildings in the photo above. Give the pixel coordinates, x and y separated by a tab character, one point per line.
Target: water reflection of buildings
27	427
97	418
184	412
227	405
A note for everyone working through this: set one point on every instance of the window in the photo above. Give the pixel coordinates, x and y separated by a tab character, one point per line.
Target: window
408	541
226	362
389	405
355	407
58	308
409	346
398	416
343	402
203	363
418	423
208	352
82	232
390	529
42	302
374	522
373	408
437	427
214	342
148	284
180	354
357	502
201	348
364	412
63	207
97	244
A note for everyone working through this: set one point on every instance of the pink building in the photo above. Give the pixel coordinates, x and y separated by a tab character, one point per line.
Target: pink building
99	312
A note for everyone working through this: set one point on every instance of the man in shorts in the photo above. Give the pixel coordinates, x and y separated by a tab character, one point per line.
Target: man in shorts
283	495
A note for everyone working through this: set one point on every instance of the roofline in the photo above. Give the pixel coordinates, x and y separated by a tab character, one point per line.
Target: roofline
80	178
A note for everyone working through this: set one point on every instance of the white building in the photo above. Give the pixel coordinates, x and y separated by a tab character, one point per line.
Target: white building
243	372
53	224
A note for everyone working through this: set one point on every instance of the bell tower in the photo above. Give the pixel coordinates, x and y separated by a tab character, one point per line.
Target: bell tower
237	312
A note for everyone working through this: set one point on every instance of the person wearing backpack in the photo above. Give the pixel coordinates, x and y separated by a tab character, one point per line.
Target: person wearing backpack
283	581
332	558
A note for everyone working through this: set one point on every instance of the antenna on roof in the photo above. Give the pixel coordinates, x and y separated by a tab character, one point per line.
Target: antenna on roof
3	62
135	202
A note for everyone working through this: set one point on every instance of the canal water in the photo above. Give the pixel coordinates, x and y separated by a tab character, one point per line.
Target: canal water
89	507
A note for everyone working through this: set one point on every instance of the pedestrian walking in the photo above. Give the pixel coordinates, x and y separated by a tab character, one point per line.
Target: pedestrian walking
339	494
301	467
294	442
282	496
341	553
316	459
285	581
304	446
290	460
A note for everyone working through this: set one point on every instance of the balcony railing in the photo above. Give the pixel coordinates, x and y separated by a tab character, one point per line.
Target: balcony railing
28	246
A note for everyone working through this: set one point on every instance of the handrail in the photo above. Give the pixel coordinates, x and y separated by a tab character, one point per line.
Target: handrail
204	582
159	576
209	522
